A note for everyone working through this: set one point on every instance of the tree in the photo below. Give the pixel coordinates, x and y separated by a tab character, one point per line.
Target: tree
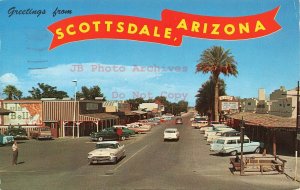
90	93
204	98
46	91
216	61
182	106
134	103
12	92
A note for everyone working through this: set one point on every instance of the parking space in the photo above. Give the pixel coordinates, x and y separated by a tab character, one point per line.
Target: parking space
62	163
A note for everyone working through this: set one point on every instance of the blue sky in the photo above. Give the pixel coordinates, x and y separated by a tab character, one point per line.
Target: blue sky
268	62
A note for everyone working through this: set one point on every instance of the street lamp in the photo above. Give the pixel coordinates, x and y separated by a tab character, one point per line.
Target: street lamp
74	113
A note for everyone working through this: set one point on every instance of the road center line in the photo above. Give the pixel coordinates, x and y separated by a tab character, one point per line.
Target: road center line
129	158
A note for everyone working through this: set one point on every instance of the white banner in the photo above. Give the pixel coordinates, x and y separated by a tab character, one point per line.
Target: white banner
229	106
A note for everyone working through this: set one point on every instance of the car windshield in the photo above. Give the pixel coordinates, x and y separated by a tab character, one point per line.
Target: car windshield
220	141
106	145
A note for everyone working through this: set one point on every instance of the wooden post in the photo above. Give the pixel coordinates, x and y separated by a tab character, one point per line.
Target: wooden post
242	143
265	141
274	142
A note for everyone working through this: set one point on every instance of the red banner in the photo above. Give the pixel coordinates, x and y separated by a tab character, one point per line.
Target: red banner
223	28
169	31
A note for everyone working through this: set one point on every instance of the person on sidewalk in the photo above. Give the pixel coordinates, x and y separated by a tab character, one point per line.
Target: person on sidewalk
15	153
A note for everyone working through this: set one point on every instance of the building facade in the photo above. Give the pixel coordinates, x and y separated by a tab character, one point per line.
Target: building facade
284	102
249	105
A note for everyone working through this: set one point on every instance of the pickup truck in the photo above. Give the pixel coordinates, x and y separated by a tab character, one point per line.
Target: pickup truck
42	133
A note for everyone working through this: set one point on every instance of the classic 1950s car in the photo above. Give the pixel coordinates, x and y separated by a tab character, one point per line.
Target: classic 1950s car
16	132
232	145
110	134
109	151
41	133
171	134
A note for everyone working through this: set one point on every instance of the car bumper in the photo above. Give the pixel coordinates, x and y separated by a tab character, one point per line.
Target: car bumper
171	138
44	137
94	138
102	159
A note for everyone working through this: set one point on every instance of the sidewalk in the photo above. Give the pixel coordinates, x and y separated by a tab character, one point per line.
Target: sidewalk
290	166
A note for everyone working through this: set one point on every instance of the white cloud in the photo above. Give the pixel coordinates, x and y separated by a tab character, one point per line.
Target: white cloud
116	81
9	78
90	73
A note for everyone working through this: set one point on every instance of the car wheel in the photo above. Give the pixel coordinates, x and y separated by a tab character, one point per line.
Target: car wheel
123	138
257	151
233	153
100	139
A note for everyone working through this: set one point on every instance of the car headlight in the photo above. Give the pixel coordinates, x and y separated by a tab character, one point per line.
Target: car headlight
90	155
112	154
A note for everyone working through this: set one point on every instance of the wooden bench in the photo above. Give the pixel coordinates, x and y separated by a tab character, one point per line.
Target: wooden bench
262	162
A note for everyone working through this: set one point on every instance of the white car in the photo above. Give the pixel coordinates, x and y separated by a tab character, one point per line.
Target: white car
109	151
213	131
232	145
211	126
232	133
171	134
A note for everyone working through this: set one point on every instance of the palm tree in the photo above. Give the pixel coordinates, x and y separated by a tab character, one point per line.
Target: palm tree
12	92
217	61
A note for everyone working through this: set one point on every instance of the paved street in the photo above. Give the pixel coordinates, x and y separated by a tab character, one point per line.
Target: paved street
150	163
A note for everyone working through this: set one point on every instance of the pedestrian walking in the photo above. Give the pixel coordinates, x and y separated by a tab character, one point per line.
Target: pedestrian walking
15	153
119	132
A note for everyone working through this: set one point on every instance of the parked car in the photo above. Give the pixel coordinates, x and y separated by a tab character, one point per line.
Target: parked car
125	129
4	139
42	133
108	135
155	120
199	121
109	151
211	126
232	146
171	134
199	124
217	135
16	132
138	128
214	130
178	120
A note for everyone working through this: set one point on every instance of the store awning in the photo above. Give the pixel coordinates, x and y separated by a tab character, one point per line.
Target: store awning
265	120
5	111
96	117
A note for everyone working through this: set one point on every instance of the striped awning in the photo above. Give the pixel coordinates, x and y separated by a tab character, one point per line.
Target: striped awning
97	117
